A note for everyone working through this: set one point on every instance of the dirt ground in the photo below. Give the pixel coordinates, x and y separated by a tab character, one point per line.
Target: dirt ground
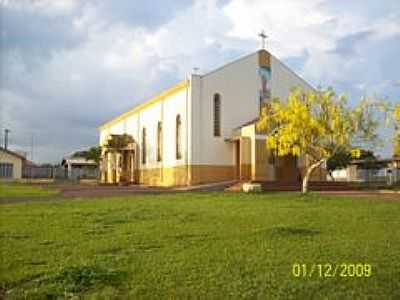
130	190
100	191
377	195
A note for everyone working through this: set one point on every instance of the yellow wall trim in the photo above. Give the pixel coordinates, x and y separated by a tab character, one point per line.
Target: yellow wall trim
177	176
171	91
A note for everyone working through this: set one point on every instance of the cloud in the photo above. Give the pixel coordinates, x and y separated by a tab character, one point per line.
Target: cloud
34	35
331	33
137	13
62	97
68	66
346	46
45	7
292	26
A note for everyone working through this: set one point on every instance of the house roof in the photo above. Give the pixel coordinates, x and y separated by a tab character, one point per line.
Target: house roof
29	163
12	153
248	123
173	90
378	160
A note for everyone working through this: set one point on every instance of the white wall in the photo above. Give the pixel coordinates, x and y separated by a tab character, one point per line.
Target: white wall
165	111
148	118
131	126
174	105
15	161
237	83
195	125
283	79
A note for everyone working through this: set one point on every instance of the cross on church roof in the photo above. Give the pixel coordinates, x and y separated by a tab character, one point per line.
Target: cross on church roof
263	37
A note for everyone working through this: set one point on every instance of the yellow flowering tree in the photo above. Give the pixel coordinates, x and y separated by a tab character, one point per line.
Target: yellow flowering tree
316	125
396	151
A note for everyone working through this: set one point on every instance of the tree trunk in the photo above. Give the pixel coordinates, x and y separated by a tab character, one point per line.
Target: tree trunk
310	169
331	176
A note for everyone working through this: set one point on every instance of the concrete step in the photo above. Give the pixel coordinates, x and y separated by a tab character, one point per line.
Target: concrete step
296	186
210	187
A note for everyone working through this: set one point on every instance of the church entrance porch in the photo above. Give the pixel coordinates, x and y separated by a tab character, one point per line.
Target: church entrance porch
286	169
254	162
118	161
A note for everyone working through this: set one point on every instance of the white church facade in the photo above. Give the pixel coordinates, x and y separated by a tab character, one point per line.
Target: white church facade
202	130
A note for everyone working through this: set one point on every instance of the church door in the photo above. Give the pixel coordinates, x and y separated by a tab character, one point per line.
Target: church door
287	170
128	166
237	159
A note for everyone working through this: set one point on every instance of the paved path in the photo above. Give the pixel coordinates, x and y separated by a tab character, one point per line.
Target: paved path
99	191
107	191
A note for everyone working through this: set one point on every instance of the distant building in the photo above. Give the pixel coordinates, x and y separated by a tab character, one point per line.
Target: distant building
11	164
79	167
379	170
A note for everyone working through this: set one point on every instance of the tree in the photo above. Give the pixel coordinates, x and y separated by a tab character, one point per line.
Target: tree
93	153
338	160
317	125
343	157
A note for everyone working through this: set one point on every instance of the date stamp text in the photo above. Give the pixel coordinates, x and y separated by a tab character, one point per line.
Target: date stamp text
325	270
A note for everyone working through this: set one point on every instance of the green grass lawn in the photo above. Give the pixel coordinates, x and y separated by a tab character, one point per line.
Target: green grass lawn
210	246
14	189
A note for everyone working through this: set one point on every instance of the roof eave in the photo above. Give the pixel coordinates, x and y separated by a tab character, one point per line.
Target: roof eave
171	91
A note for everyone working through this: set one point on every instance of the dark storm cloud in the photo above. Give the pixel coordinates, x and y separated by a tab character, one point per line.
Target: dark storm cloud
37	34
297	62
377	66
150	14
38	96
347	45
369	8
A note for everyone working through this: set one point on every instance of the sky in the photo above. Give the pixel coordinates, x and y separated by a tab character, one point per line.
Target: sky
67	66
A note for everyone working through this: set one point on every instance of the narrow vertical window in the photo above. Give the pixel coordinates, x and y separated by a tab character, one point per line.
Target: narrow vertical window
144	146
217	115
178	138
159	141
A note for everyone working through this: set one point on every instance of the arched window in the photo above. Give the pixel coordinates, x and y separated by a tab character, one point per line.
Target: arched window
217	115
144	146
178	137
159	141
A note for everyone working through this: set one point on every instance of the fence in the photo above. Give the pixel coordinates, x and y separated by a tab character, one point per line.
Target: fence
383	176
59	173
83	173
37	172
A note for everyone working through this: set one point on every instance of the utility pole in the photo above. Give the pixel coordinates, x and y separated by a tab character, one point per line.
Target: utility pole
6	131
32	147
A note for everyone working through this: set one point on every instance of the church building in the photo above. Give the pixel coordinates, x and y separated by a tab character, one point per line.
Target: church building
203	130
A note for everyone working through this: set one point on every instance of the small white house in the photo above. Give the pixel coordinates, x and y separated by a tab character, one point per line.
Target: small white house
10	164
385	170
79	167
